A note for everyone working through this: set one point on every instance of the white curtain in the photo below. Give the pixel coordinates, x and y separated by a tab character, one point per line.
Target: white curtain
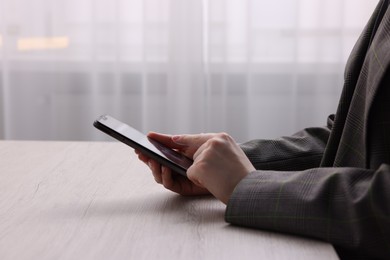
252	68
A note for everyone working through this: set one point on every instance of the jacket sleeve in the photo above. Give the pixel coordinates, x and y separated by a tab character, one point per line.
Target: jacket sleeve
300	151
348	207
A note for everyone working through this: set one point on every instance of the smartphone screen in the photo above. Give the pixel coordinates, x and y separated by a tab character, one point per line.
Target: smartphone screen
137	140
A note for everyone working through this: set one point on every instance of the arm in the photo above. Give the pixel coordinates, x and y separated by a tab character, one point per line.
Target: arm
347	207
220	155
301	151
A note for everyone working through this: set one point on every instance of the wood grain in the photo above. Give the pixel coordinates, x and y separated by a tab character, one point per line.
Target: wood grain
91	200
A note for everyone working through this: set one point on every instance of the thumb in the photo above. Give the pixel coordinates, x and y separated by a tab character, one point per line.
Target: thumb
192	140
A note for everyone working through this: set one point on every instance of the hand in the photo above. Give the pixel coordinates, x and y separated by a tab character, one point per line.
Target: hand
165	176
219	163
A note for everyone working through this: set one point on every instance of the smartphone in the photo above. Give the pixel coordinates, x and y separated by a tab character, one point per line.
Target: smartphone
166	156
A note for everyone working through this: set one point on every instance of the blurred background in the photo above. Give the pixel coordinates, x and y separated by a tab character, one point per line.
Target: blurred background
252	68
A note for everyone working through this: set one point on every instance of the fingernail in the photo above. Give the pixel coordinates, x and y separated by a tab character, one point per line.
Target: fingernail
176	138
150	165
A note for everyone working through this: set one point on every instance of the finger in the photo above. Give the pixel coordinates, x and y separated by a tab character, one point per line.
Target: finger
200	151
165	139
218	142
143	158
156	170
192	176
192	140
167	179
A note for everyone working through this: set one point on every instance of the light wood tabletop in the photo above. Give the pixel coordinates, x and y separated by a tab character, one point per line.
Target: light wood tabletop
95	200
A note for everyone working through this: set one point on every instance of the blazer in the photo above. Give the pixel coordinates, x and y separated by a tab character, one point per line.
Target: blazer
331	183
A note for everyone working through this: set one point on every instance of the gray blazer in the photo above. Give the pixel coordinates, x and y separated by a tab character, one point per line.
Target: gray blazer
331	183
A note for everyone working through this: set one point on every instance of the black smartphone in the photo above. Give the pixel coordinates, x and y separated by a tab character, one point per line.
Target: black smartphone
139	141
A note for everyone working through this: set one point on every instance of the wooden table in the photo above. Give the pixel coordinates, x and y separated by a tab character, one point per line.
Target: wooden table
91	200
